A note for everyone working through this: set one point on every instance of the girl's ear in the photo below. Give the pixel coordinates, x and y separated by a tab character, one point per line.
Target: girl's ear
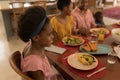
35	38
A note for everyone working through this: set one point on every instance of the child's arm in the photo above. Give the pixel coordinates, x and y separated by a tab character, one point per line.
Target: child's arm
36	75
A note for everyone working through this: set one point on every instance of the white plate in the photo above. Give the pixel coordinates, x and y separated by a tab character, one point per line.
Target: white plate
79	38
118	23
75	63
94	30
118	55
117	50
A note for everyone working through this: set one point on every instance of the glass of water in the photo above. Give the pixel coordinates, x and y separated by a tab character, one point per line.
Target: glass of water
93	37
112	57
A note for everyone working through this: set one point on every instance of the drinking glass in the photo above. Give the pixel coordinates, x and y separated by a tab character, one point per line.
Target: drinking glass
112	57
93	37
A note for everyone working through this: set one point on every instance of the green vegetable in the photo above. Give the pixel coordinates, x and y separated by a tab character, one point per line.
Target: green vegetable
89	58
102	32
118	34
72	41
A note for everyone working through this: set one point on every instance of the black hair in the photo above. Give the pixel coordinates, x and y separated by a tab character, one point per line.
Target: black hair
29	21
63	3
99	18
97	14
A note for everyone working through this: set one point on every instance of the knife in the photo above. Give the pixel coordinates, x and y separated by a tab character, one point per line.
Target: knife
101	69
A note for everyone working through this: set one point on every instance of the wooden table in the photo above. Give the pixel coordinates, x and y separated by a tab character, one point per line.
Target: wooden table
113	71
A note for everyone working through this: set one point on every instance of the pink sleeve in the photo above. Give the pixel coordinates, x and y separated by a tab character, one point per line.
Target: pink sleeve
75	20
75	27
32	64
92	19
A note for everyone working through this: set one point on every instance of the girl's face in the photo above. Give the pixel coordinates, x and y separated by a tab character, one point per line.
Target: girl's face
46	36
68	9
100	18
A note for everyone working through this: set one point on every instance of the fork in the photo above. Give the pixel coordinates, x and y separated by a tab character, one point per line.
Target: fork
101	69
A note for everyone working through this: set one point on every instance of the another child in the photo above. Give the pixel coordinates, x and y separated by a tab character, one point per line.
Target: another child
63	23
99	19
35	27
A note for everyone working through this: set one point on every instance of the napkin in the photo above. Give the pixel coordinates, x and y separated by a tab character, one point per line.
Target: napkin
55	49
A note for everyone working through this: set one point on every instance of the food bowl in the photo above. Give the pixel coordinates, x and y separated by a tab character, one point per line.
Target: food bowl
116	34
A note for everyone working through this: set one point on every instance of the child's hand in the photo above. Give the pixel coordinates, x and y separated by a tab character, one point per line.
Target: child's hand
75	31
84	31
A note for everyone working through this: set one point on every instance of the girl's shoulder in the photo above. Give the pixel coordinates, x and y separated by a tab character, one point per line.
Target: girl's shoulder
32	63
54	18
32	58
71	17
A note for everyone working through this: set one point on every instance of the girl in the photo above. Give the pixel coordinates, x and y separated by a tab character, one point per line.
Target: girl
63	23
99	19
35	27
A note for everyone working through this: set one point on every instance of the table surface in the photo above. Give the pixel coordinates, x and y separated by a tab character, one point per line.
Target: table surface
113	71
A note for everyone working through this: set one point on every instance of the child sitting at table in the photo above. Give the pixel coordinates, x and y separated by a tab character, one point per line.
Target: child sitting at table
34	27
63	23
99	19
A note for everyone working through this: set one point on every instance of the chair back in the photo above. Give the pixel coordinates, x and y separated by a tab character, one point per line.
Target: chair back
52	15
108	2
17	7
15	61
40	3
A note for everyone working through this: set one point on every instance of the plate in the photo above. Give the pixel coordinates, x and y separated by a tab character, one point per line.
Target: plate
118	55
118	23
117	50
73	40
97	30
102	49
75	63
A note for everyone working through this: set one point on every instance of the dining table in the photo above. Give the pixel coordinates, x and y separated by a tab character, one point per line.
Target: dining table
112	70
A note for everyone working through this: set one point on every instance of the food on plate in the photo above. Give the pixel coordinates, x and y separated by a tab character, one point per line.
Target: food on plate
90	46
72	40
86	47
93	46
117	33
102	31
86	59
99	31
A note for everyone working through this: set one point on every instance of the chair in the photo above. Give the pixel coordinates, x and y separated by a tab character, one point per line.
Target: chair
94	10
40	3
106	2
51	15
15	60
17	10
